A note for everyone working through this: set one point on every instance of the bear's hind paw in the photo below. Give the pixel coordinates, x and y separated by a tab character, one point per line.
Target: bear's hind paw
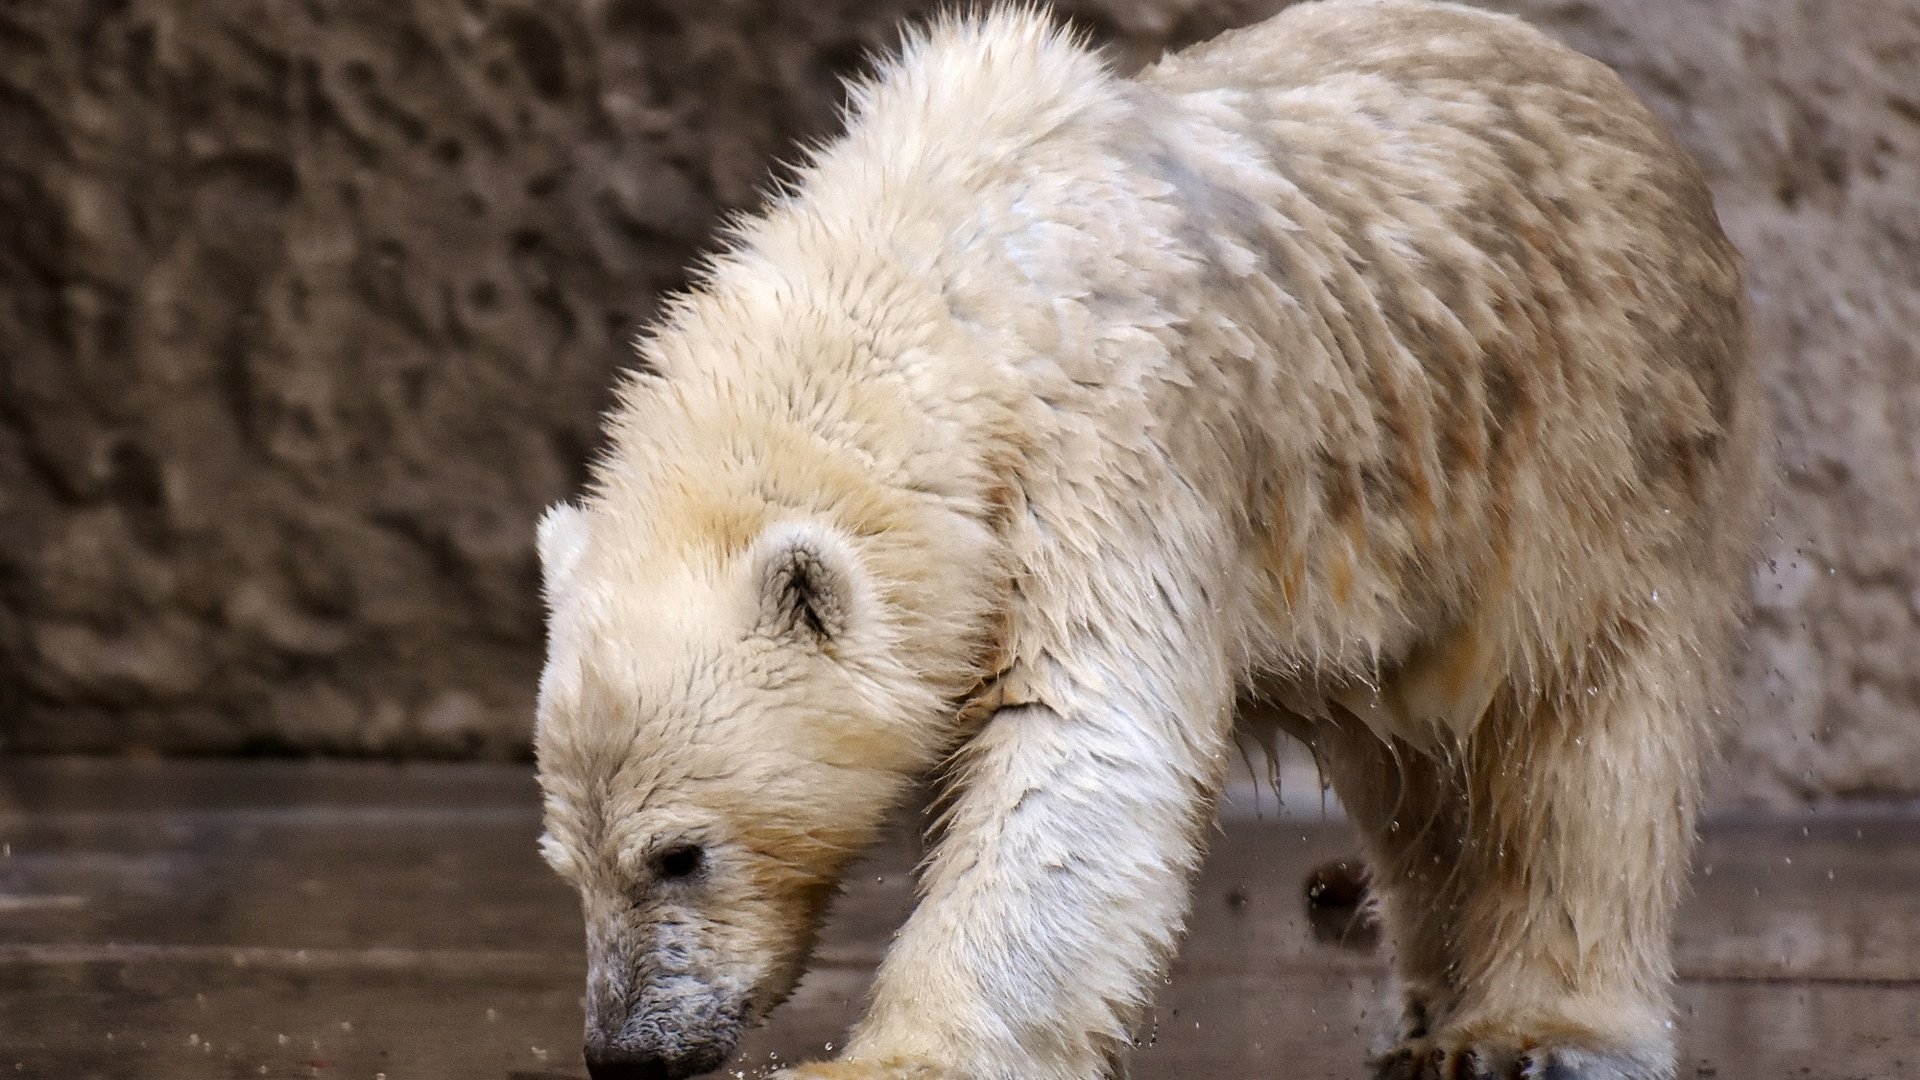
1438	1059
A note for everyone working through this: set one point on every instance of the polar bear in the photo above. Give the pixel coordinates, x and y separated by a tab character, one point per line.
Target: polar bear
1382	365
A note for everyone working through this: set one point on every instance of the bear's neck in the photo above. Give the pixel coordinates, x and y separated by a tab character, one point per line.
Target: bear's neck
784	395
853	356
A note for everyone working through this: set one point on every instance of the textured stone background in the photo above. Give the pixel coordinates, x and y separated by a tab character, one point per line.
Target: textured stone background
307	308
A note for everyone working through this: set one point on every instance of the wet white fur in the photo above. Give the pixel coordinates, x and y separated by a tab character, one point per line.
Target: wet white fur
1279	372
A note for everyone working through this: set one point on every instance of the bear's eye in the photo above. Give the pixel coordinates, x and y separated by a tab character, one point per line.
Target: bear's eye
678	862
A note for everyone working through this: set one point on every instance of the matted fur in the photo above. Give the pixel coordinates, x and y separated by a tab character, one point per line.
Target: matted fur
1382	364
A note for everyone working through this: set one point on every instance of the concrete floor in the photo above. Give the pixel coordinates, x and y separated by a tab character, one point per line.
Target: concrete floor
200	920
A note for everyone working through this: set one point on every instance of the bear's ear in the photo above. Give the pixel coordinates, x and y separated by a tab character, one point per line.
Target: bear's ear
563	538
806	585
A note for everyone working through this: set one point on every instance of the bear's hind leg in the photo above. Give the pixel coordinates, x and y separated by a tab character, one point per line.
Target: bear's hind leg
1529	873
1407	812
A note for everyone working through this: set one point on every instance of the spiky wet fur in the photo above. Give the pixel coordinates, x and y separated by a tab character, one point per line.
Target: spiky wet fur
1383	362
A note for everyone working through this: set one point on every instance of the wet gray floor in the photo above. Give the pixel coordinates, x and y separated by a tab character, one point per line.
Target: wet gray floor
188	920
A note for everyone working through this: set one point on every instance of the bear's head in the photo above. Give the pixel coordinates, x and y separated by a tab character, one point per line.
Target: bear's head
719	732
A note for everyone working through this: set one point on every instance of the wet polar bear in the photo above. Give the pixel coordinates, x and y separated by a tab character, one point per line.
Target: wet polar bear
1381	364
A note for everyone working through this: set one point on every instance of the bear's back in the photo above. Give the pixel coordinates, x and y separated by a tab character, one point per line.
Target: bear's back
1528	324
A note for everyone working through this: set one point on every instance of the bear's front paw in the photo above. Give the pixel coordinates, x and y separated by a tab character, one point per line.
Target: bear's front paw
881	1069
1517	1058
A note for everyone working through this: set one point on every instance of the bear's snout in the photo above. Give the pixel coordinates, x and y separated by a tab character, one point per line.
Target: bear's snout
606	1063
627	1059
643	1025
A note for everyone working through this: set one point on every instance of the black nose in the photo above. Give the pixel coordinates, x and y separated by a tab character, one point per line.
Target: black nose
610	1064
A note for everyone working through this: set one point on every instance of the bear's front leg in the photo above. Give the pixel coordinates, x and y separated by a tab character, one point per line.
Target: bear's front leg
1054	897
1053	900
876	1069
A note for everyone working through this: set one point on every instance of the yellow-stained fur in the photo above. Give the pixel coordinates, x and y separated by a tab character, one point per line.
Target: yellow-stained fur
1380	367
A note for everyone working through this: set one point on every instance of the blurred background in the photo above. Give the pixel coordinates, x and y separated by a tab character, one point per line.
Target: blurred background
308	308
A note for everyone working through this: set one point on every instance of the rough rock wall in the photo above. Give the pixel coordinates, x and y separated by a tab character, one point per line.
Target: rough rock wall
307	308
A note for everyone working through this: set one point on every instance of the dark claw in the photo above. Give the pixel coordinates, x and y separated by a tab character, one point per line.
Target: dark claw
1473	1065
1497	1060
1397	1065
